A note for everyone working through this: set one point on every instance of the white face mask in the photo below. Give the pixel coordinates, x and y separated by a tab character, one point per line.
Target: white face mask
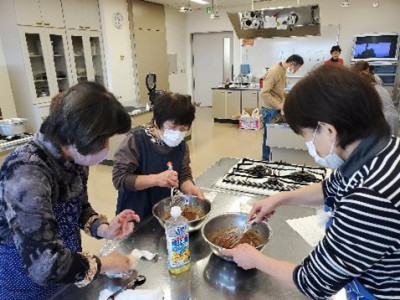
291	69
90	159
332	160
173	137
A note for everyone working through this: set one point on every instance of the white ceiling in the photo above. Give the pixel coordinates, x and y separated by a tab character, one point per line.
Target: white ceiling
219	3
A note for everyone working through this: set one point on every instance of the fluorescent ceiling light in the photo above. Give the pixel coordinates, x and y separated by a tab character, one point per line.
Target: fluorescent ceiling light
200	2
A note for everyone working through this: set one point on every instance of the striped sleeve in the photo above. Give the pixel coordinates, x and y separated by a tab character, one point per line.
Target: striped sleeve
365	230
331	184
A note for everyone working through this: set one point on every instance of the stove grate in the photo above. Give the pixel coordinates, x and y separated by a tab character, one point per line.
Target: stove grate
267	178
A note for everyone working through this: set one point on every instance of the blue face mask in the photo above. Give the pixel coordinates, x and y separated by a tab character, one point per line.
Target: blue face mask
332	160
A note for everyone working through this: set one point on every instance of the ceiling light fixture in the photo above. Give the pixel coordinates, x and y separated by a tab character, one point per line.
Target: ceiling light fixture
214	11
200	2
345	3
185	8
214	15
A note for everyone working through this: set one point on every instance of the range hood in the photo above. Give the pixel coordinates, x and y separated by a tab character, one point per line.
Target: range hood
277	22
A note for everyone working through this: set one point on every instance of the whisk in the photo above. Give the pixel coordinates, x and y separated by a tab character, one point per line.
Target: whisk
234	236
170	167
174	199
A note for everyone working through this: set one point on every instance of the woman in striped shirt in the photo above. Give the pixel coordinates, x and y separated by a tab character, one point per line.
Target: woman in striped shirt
340	117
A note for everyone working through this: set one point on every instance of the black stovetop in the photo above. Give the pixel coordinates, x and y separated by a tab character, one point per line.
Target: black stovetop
267	178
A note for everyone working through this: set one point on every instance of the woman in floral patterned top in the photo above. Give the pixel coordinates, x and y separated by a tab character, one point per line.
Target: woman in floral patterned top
44	201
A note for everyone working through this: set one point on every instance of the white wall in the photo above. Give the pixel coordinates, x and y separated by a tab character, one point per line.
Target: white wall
360	17
176	32
200	21
7	101
117	43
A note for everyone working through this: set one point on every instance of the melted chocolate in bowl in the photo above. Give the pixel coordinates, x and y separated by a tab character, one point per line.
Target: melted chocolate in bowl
223	238
190	213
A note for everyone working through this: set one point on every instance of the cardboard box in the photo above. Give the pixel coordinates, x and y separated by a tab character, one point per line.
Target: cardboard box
250	120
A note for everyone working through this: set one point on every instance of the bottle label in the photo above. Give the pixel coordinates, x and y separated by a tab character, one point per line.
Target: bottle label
178	247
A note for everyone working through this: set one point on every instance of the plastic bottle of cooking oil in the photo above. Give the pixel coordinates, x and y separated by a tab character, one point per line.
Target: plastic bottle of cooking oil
176	230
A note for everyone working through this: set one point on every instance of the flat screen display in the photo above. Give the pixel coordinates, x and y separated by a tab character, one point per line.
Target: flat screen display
379	47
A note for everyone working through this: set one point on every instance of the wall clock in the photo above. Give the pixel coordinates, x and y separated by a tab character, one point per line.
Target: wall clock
118	20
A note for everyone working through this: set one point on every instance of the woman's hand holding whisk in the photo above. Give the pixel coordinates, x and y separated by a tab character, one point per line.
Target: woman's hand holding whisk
264	209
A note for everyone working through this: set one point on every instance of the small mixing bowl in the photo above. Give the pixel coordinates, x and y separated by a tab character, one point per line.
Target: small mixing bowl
162	209
228	220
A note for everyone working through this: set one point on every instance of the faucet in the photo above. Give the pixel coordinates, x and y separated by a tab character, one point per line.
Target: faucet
239	79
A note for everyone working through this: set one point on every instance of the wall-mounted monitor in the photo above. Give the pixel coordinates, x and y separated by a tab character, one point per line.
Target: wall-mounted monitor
376	46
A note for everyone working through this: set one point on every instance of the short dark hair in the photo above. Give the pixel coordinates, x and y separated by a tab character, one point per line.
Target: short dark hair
173	107
360	65
336	48
295	58
85	115
337	96
361	68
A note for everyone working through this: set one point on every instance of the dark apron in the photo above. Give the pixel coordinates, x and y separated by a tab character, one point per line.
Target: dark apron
151	162
14	280
354	289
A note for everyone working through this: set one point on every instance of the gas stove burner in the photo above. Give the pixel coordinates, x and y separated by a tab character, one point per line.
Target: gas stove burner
274	181
302	176
260	171
10	142
15	137
268	178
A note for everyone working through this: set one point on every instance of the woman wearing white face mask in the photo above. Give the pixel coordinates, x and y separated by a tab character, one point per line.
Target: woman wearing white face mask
44	201
340	117
140	171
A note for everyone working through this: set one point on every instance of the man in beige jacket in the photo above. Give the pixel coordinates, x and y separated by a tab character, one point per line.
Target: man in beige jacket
272	93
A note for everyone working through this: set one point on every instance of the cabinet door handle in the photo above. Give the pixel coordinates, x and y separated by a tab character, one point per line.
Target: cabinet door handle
254	93
229	92
46	23
81	26
39	22
87	27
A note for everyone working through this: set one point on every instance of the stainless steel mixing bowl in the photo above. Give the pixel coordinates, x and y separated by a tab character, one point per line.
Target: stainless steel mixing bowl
162	208
221	222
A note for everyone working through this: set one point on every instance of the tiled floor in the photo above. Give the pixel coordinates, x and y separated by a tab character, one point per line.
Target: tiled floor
210	141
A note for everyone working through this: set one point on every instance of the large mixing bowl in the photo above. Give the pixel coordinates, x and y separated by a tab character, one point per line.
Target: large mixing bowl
222	222
162	209
13	126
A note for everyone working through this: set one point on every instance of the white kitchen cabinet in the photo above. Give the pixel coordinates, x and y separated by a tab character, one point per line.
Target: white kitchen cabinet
287	146
47	62
39	13
7	106
41	58
250	99
218	104
226	104
233	104
87	59
81	14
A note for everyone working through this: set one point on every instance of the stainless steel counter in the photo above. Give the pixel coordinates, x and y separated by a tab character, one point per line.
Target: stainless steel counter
211	277
237	88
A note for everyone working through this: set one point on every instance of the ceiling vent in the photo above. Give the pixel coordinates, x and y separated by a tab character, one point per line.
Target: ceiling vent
277	22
